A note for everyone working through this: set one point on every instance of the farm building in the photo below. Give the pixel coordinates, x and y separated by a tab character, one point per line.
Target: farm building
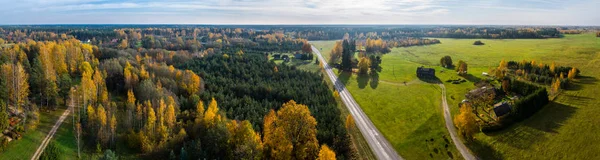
486	90
423	72
501	109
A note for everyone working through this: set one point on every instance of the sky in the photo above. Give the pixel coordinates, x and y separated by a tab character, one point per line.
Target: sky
475	12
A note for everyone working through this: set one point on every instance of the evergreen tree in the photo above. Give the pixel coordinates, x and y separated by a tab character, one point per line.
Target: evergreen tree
346	57
183	155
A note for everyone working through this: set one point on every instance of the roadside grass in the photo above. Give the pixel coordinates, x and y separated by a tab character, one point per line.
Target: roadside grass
324	47
409	116
25	147
564	129
360	143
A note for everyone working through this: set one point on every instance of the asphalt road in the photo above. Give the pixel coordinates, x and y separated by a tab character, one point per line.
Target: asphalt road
46	140
464	151
382	149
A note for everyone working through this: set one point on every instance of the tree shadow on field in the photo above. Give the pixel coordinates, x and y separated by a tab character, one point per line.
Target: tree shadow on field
343	77
471	78
522	135
581	81
551	117
374	80
430	79
363	80
483	150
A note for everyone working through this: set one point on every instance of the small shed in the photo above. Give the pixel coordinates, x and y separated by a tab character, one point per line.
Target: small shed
502	108
423	72
277	56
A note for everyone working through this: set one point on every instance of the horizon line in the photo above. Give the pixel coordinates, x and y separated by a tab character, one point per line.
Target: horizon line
298	24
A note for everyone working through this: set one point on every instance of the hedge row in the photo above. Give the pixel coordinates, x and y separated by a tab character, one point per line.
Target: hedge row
535	98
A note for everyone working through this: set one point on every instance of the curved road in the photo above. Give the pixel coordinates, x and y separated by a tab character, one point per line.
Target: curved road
464	151
379	145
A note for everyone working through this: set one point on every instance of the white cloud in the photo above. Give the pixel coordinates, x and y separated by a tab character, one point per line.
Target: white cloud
300	11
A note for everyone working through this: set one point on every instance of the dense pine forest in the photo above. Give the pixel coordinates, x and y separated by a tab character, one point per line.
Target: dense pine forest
249	86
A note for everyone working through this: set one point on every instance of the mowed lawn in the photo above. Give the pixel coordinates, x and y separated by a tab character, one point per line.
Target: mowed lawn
408	115
28	144
564	129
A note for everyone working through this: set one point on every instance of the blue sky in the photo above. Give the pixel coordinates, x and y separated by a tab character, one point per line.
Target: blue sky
498	12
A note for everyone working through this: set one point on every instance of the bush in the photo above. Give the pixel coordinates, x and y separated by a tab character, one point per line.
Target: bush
446	62
109	155
52	152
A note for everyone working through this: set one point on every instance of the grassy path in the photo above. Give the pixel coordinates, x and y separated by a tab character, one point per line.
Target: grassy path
46	140
464	151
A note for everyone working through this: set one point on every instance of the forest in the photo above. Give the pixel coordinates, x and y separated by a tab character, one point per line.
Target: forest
160	96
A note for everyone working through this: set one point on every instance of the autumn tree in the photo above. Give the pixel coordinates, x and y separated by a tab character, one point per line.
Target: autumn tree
3	116
211	116
130	77
350	124
462	68
16	80
276	145
363	65
91	119
113	128
170	116
130	108
102	125
506	85
556	86
191	82
572	74
87	83
446	62
326	153
293	125
244	143
306	47
336	52
199	112
124	44
465	122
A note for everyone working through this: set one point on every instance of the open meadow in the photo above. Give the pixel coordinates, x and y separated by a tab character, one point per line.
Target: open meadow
408	114
549	134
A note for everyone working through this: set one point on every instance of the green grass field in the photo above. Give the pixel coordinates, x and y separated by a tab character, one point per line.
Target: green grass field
409	115
565	129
